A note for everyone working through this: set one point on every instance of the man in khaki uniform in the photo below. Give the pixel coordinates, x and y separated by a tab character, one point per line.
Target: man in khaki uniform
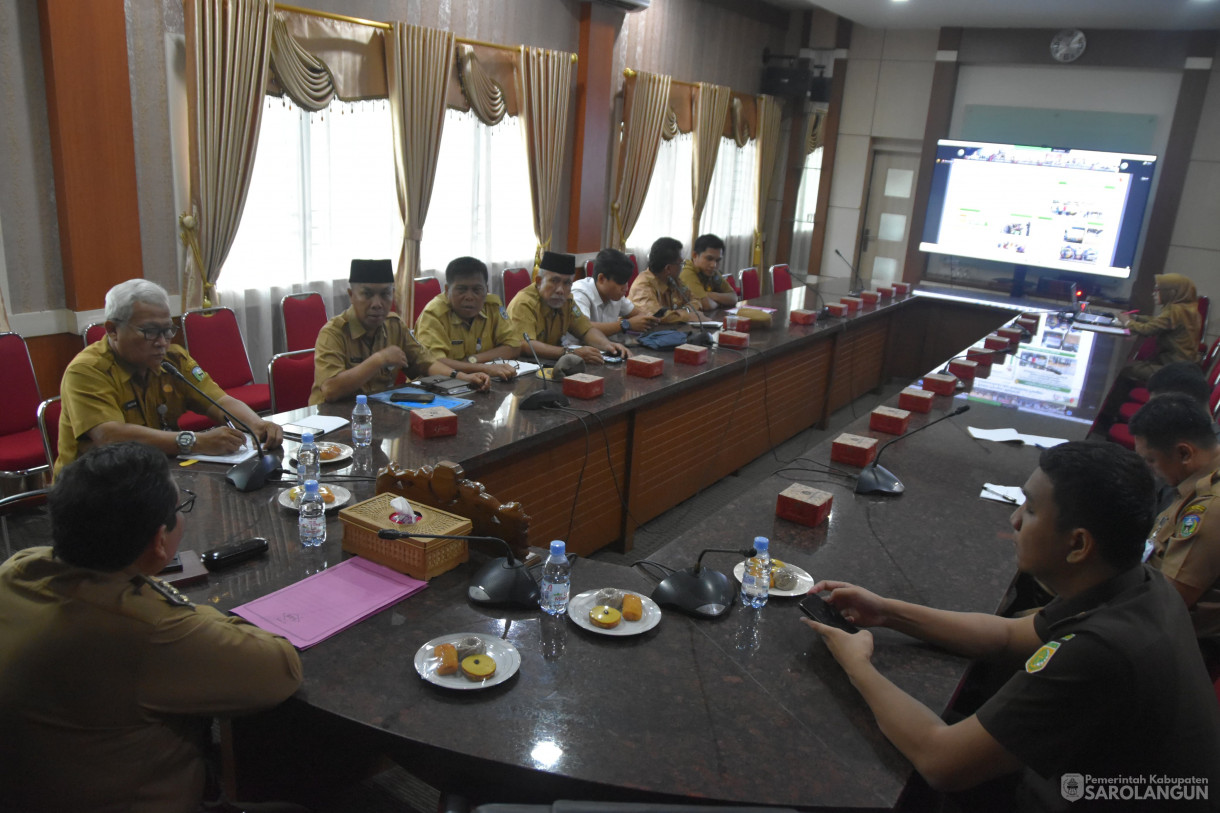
657	287
116	390
546	311
363	348
702	274
465	327
108	676
1175	436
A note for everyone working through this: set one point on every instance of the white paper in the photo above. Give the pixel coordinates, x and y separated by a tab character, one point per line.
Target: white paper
322	423
1012	495
1011	435
247	450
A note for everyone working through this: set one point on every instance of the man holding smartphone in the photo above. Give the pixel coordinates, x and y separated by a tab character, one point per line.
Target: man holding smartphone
657	289
1112	687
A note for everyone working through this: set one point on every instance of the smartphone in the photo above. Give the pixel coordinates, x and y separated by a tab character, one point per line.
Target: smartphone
820	611
661	312
413	397
293	430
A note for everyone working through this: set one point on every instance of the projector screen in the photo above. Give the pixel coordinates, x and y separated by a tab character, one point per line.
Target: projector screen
1077	211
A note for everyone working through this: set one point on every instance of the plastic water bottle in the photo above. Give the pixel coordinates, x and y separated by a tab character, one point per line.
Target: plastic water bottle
756	580
309	464
312	516
556	580
362	423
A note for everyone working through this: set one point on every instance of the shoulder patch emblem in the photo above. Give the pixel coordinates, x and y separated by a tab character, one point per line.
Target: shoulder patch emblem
1038	661
197	371
503	312
1189	524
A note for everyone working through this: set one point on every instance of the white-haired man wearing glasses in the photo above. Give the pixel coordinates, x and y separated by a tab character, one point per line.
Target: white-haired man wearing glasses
115	389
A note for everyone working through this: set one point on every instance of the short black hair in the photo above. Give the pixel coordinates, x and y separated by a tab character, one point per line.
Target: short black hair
1180	376
612	264
1108	491
665	251
107	505
465	267
1173	418
707	241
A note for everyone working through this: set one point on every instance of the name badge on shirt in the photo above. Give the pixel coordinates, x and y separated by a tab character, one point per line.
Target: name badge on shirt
456	342
132	404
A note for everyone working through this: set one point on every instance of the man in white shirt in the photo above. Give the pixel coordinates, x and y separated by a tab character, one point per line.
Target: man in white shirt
601	296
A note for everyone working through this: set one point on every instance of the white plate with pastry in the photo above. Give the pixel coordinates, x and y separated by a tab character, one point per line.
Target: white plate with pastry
290	498
331	452
803	580
582	607
484	661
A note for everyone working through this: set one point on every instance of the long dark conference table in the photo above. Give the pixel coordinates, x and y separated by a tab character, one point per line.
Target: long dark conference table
748	708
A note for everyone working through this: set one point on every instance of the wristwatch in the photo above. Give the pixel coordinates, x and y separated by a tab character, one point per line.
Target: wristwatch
186	442
568	349
624	324
453	373
472	359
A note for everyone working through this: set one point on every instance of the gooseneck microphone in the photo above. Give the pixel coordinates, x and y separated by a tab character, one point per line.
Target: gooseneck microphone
854	288
544	398
501	581
699	592
877	480
701	338
248	475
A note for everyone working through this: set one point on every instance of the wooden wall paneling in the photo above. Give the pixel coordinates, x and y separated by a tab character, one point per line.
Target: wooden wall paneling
931	331
545	482
51	355
795	391
858	363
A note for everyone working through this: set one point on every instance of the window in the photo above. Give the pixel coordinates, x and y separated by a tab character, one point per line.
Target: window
806	204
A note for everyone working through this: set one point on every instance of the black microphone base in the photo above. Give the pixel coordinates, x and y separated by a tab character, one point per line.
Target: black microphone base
700	339
879	480
253	473
699	592
545	399
504	584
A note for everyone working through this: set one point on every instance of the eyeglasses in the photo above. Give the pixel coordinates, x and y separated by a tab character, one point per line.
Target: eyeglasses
186	505
152	332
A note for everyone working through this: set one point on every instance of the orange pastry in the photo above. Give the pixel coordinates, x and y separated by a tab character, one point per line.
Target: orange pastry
328	451
327	495
449	659
478	667
605	617
633	608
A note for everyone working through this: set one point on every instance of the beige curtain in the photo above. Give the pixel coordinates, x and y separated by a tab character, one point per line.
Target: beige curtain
485	95
227	48
741	127
768	146
544	86
710	105
418	62
649	103
305	78
670	131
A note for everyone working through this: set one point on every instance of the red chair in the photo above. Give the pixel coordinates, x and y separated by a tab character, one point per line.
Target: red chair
1204	305
515	280
635	272
734	284
213	340
781	279
21	450
1209	358
48	427
750	286
1120	433
94	332
586	271
290	376
304	315
426	288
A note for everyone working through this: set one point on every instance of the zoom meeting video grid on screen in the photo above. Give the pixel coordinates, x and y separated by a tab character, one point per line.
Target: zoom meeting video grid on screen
1070	210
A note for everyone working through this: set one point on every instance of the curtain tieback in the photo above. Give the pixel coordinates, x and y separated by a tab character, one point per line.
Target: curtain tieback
188	227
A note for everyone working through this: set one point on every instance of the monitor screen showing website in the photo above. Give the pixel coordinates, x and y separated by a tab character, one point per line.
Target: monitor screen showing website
1076	211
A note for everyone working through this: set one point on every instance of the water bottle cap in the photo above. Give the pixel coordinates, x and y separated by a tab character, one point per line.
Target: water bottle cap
311	486
558	548
306	437
761	543
362	399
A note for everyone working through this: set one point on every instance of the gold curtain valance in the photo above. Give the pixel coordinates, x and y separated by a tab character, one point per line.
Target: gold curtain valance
304	77
485	95
741	125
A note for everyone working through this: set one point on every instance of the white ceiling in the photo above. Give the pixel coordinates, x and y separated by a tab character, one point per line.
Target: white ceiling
1150	14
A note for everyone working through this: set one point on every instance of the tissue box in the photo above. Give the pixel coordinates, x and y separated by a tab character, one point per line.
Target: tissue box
803	504
940	383
852	303
870	297
418	558
886	291
902	288
836	309
915	399
645	366
583	385
996	342
689	354
800	316
889	420
963	368
433	422
854	450
733	338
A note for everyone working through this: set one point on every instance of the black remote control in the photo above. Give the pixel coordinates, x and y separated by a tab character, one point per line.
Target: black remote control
233	553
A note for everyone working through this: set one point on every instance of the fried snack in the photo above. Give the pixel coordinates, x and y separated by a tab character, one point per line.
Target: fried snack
296	492
449	659
328	451
776	566
784	579
470	645
605	617
609	597
478	667
633	608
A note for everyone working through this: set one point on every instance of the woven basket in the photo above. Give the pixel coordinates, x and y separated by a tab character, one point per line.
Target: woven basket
418	558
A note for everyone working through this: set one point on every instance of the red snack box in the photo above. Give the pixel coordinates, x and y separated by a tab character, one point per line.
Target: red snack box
902	288
433	422
583	385
996	342
734	322
870	297
853	303
915	399
980	356
644	366
854	450
1013	334
803	504
940	383
982	370
800	316
964	368
689	354
732	338
836	309
886	291
889	420
1030	321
